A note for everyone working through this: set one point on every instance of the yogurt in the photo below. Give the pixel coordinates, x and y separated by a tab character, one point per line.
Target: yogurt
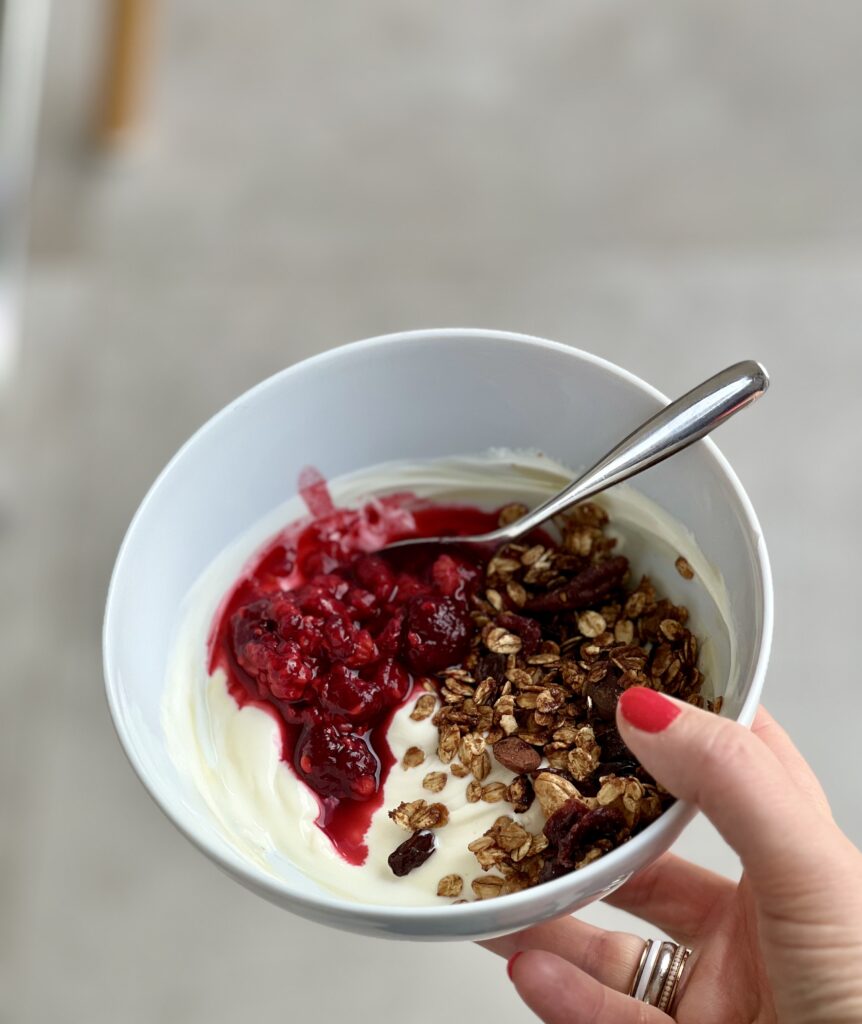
232	755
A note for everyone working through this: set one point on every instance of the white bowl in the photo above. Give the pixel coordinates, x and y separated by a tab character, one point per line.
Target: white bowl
416	395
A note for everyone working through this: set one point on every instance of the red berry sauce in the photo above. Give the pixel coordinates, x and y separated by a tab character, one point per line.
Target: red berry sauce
331	639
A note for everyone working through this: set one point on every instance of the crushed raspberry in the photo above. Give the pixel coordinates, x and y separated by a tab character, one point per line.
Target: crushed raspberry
335	764
438	632
331	638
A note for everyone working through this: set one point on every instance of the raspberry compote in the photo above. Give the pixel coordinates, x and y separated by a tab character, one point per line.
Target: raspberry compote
331	639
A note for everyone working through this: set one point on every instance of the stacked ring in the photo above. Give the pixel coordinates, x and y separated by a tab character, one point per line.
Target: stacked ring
658	973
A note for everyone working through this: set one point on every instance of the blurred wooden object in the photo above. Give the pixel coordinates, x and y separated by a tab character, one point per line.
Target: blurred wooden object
127	62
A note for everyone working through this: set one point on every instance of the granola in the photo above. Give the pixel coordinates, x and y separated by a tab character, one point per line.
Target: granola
418	815
450	885
561	630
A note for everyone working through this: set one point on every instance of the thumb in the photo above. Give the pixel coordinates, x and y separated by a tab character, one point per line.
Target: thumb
735	779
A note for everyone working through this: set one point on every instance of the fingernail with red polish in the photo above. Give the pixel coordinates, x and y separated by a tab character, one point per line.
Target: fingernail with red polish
647	710
511	963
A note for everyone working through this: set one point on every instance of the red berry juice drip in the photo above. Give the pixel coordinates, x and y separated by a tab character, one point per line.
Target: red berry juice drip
331	639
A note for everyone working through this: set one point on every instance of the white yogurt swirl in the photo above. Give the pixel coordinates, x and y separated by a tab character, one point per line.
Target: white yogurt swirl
232	754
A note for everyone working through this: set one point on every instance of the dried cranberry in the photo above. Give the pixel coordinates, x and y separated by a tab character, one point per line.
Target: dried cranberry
528	630
591	586
599	823
590	786
412	853
438	633
563	820
553	868
336	765
630	767
574	829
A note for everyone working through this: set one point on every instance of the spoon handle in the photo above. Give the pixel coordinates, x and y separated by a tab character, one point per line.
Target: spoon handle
677	426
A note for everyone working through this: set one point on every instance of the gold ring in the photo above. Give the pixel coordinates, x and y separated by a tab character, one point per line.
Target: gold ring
658	973
640	966
680	956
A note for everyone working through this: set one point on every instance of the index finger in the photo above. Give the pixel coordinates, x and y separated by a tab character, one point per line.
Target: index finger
735	779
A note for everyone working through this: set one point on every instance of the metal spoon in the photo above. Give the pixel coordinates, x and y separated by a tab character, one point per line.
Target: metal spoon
676	427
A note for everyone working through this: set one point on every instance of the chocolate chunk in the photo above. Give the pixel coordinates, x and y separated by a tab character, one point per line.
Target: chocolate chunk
412	853
604	696
490	666
516	755
612	745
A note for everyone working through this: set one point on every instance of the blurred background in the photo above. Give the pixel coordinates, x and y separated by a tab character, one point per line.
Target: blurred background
221	189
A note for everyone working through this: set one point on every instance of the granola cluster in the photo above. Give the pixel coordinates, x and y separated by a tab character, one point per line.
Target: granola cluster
560	632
